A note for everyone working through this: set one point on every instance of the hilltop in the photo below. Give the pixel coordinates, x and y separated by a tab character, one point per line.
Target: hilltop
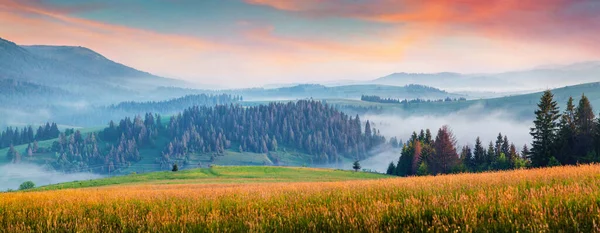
522	80
520	106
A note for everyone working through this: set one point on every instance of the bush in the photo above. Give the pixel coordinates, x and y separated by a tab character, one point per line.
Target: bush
175	168
553	162
26	185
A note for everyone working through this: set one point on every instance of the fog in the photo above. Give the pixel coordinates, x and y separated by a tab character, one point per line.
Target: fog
466	125
12	175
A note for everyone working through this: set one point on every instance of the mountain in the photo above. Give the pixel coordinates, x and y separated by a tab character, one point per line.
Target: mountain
527	80
77	69
316	91
520	106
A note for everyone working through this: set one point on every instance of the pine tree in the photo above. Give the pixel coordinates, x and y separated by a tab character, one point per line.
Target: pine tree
566	135
505	146
525	153
422	136
467	158
479	155
513	155
544	131
416	160
391	169
584	128
404	166
491	155
356	166
445	158
428	137
498	147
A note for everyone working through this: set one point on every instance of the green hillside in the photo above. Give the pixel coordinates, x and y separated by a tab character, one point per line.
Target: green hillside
287	157
225	174
521	106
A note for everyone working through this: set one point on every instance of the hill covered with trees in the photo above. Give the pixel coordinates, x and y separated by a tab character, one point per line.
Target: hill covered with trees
320	133
518	106
567	138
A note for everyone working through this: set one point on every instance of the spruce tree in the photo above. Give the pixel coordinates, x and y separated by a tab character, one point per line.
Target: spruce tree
505	146
584	129
428	137
445	157
479	154
525	152
356	166
391	169
467	158
544	130
498	147
566	135
491	155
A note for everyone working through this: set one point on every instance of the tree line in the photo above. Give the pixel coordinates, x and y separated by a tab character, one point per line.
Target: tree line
569	138
378	99
314	128
15	136
311	126
177	104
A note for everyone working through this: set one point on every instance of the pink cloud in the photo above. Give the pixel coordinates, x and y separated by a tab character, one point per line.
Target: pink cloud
560	21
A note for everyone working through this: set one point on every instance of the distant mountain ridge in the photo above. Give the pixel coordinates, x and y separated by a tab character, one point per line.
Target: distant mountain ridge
77	69
532	79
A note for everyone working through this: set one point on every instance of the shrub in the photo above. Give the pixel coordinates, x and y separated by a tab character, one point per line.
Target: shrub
27	185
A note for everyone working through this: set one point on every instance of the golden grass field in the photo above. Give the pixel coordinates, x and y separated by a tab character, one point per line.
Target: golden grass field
561	199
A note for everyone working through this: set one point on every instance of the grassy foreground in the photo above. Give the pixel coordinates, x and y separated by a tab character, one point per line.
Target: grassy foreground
562	199
224	175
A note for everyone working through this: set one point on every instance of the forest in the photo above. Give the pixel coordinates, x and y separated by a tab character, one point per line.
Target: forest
567	138
326	134
15	136
318	129
378	99
174	105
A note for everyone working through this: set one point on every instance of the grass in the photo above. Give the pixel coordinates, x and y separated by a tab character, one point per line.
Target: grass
560	199
223	174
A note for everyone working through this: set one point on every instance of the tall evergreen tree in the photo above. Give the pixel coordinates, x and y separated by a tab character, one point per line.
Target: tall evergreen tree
467	158
513	155
505	146
445	157
491	154
428	137
566	135
391	169
479	155
584	129
544	130
498	146
525	153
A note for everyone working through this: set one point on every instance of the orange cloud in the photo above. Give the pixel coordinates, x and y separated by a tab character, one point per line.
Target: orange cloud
566	21
260	53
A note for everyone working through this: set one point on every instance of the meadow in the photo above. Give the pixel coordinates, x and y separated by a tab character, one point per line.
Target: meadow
560	199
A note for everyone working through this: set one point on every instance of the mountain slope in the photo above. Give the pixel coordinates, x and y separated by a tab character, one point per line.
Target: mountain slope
77	69
539	78
521	106
315	91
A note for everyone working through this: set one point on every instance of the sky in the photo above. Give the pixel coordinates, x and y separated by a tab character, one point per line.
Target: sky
239	43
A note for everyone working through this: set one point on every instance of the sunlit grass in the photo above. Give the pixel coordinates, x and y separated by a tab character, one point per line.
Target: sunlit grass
544	200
